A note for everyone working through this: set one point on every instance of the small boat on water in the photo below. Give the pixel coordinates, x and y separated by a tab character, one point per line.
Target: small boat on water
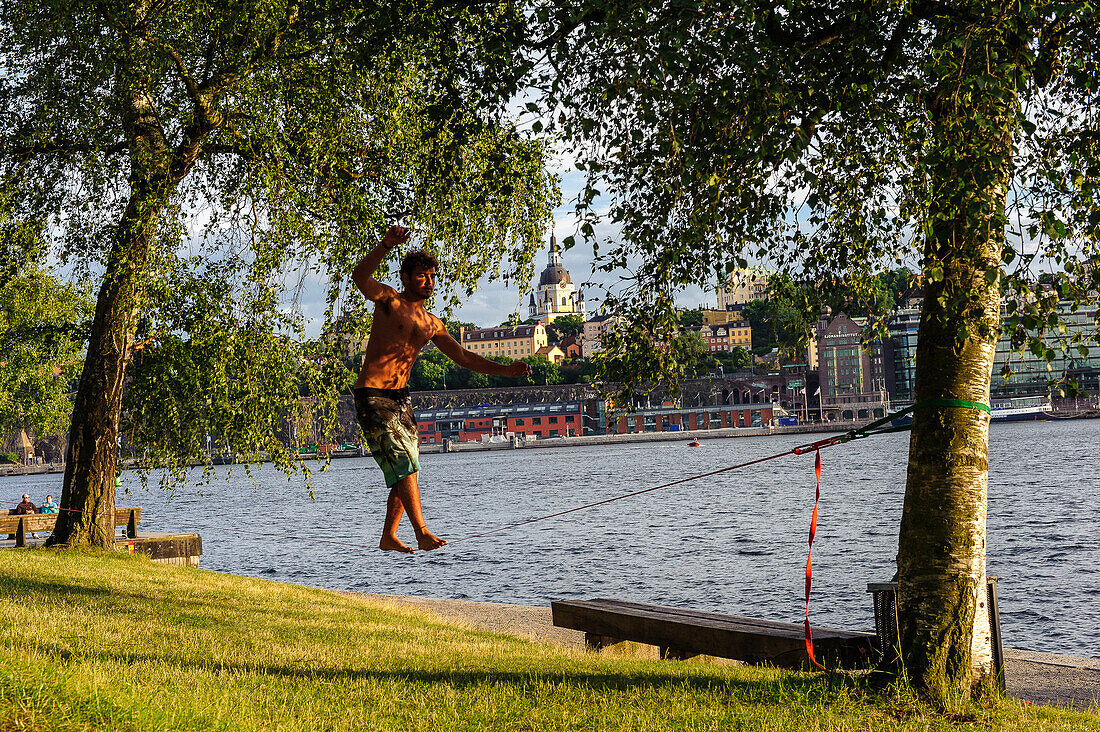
694	443
1021	409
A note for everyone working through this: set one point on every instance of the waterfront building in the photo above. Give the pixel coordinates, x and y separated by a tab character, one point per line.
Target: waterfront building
584	416
667	418
856	382
903	326
531	421
555	295
1031	375
1035	376
743	285
515	342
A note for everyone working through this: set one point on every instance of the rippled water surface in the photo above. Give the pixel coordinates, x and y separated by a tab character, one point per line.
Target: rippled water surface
732	543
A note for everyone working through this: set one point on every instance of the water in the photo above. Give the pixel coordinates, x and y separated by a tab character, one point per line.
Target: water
731	543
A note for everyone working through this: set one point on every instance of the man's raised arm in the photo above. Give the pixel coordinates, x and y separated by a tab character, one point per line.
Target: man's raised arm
363	274
470	360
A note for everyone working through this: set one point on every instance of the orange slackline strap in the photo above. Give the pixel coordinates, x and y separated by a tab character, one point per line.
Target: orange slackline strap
809	564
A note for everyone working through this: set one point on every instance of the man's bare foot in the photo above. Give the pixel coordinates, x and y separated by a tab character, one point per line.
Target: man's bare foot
393	544
427	541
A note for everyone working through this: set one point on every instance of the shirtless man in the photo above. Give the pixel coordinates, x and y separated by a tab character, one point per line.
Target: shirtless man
400	329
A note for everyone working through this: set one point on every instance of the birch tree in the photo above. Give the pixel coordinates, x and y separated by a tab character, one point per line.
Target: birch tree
194	162
835	140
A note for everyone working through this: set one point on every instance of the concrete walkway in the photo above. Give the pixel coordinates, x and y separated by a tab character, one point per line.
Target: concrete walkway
1040	678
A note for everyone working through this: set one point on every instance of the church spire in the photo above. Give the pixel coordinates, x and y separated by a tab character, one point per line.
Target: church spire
555	252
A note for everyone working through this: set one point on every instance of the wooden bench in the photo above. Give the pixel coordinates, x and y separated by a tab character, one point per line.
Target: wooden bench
20	525
685	633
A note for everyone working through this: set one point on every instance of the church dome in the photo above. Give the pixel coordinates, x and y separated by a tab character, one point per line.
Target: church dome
553	275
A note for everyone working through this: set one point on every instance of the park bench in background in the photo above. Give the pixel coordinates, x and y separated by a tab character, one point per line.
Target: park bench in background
685	633
21	525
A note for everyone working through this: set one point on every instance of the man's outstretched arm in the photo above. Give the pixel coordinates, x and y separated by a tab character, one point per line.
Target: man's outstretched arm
470	360
363	274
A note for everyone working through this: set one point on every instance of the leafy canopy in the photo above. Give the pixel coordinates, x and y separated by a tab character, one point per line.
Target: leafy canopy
818	138
225	156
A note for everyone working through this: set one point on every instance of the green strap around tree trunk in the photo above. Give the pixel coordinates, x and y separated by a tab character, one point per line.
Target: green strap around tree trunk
871	428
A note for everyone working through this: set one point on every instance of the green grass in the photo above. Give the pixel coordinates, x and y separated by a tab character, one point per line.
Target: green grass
114	642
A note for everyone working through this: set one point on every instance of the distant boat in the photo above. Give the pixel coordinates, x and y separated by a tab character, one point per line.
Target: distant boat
694	443
1021	409
1012	409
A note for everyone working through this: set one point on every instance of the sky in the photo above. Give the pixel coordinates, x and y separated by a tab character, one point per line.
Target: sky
494	302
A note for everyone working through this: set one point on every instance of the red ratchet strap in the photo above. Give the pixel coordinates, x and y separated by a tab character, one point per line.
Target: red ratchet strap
809	564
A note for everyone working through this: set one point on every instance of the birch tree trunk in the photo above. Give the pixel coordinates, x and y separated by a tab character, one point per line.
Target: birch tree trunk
944	623
87	502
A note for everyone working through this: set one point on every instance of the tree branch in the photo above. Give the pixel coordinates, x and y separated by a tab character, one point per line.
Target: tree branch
56	147
814	39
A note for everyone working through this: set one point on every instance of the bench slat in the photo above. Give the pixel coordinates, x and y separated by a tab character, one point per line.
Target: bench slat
9	524
702	617
714	634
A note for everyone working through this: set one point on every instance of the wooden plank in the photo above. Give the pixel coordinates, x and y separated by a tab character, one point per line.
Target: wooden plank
31	522
715	639
685	632
699	616
128	516
165	547
720	618
123	514
702	619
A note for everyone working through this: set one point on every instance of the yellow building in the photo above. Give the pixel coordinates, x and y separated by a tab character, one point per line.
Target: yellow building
555	295
727	336
516	342
594	331
743	286
719	317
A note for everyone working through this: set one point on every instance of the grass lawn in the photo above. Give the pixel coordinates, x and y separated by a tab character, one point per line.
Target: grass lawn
115	642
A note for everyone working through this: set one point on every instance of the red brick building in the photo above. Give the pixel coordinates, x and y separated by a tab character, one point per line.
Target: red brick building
472	424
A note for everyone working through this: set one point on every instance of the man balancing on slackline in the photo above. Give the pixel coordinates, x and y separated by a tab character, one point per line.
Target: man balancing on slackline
400	328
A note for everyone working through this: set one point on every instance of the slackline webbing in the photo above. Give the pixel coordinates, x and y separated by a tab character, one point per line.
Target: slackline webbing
860	433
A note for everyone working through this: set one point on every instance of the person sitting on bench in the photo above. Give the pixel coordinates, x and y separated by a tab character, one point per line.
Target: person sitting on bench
26	507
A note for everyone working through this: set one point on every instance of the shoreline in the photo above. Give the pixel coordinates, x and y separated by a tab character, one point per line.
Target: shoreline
552	442
1032	676
836	428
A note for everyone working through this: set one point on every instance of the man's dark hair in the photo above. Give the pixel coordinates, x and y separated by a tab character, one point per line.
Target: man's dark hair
418	260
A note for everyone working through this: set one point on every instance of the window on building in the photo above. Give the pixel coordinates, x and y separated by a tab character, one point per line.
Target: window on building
519	422
570	418
536	420
553	420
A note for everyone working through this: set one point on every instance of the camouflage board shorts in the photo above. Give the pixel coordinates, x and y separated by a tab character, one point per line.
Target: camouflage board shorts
389	429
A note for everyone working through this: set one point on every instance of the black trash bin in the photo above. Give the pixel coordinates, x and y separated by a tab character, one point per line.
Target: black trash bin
884	597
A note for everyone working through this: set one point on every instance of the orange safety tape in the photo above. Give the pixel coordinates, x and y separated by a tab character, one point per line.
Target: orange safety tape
809	564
